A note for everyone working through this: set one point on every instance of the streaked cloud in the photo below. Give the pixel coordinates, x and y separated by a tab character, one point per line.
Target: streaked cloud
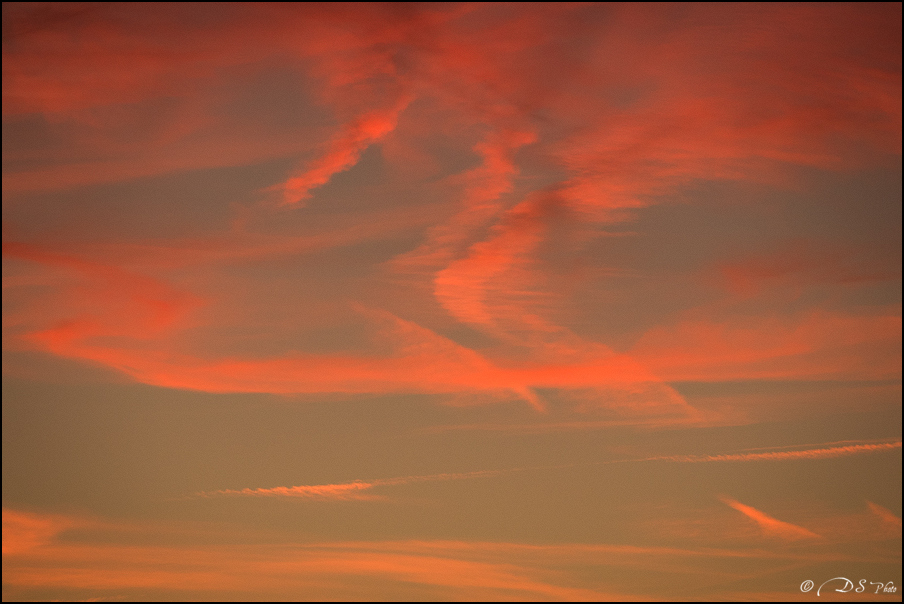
344	152
819	345
360	489
769	525
609	155
352	490
25	531
885	515
819	453
116	560
611	250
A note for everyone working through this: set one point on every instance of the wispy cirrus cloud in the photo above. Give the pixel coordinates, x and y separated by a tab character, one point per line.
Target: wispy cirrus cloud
769	525
25	531
112	559
527	168
611	214
343	152
885	515
818	345
118	302
800	263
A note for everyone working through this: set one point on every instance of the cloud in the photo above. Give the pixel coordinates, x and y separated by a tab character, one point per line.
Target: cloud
351	490
480	202
769	525
343	152
363	570
629	155
104	301
25	531
805	263
493	282
820	453
885	515
124	561
354	490
550	125
817	345
840	531
236	247
116	303
345	491
286	573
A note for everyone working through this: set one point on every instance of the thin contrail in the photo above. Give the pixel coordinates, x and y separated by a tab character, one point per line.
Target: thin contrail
822	453
350	490
359	489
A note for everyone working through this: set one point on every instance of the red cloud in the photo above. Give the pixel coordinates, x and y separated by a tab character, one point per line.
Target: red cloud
613	107
343	153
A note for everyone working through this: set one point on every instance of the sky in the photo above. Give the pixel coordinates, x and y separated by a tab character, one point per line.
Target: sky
452	301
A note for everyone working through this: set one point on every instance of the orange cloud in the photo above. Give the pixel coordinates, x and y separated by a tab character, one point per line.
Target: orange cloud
103	302
24	531
819	345
625	157
364	570
287	573
480	202
123	304
346	491
343	153
884	514
495	268
769	525
351	490
822	453
508	88
115	303
236	247
118	562
803	262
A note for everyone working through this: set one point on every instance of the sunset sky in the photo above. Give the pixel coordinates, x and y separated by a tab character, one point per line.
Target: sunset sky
546	301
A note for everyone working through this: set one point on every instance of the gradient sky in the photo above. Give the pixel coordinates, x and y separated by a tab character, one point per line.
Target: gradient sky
451	301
